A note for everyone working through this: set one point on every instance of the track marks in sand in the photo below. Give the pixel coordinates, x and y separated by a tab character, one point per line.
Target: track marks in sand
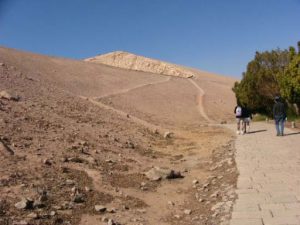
200	100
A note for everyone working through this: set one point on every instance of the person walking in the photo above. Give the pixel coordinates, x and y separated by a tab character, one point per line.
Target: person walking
279	113
239	117
247	117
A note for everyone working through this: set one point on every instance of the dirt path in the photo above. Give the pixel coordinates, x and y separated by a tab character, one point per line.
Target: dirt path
268	183
144	123
133	88
200	101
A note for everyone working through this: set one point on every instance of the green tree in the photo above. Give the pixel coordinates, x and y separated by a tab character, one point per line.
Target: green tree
290	81
260	82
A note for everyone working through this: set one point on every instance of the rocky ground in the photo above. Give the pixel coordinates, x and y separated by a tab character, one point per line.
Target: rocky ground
65	160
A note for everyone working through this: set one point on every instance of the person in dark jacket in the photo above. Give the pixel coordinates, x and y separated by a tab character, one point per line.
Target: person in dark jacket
279	113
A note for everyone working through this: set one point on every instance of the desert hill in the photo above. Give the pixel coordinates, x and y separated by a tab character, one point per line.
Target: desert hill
80	143
215	95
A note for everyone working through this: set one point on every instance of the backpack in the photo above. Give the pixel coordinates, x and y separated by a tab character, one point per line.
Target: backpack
238	111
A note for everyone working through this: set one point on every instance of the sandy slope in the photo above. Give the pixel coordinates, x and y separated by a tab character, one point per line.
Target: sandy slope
211	93
79	124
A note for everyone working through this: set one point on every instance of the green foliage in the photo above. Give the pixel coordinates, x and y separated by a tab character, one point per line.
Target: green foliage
259	117
271	73
290	81
260	82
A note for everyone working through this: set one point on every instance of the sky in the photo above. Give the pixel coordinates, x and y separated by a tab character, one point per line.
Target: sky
211	35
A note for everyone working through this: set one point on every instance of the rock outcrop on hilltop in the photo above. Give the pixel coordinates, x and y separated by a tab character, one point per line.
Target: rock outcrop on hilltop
134	62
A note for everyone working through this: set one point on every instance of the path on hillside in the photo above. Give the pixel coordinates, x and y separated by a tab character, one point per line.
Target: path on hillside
200	101
268	186
144	123
123	91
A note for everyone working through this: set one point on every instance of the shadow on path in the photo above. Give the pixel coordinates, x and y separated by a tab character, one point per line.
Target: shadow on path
256	131
292	134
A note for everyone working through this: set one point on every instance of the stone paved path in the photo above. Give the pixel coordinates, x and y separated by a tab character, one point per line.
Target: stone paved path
268	186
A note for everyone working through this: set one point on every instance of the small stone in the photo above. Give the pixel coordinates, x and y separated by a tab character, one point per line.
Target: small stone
78	198
70	182
25	203
171	203
47	162
201	200
8	96
195	182
38	204
104	219
87	189
112	210
141	210
100	208
22	222
33	216
112	222
168	134
74	189
109	161
187	211
177	216
195	218
52	213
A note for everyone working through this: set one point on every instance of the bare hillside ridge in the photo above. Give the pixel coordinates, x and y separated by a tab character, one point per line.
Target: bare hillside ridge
134	62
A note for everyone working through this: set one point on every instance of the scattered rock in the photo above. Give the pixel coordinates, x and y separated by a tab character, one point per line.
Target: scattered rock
47	162
70	182
4	149
141	210
171	203
158	173
112	222
8	96
38	204
100	208
76	160
25	203
22	222
87	189
129	144
195	181
78	198
112	210
168	134
33	215
187	211
177	216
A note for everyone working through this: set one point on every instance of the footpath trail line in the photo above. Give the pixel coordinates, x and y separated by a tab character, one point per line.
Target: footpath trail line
200	101
268	187
144	123
123	91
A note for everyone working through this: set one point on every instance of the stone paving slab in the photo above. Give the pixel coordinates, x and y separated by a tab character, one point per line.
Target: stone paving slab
268	186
